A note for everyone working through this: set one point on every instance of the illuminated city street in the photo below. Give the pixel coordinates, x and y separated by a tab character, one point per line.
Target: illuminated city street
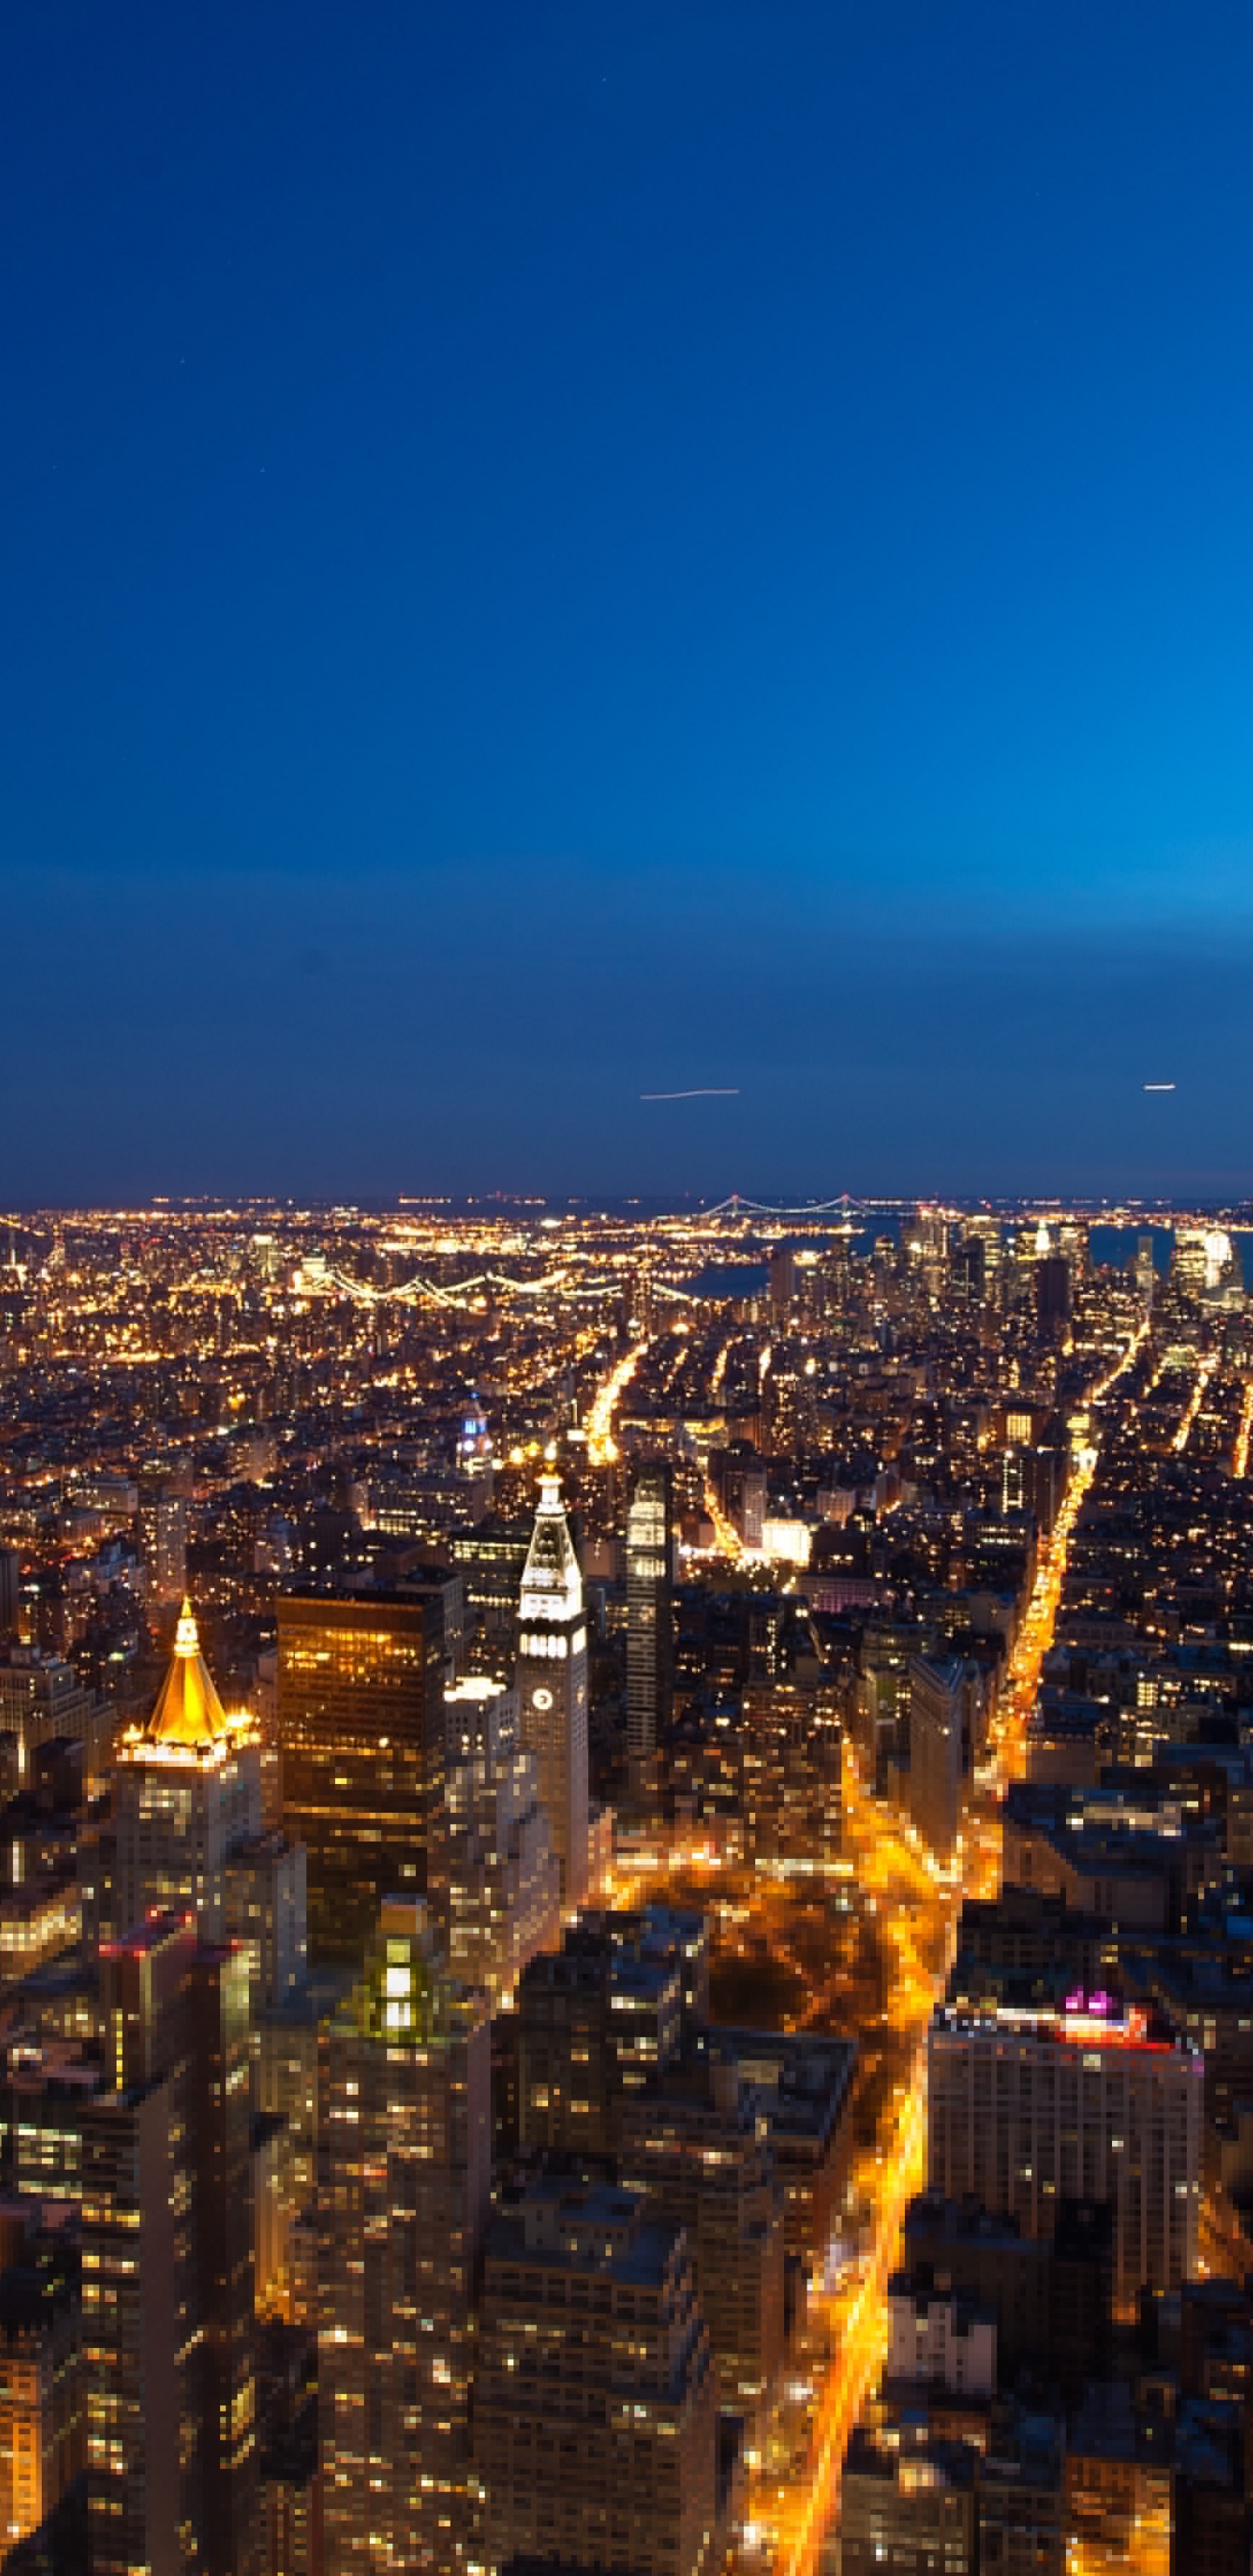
787	2515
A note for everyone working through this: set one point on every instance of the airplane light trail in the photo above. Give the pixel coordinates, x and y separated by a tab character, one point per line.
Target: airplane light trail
1159	1086
706	1091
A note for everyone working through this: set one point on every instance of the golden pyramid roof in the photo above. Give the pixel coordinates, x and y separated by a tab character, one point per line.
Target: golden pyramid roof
188	1710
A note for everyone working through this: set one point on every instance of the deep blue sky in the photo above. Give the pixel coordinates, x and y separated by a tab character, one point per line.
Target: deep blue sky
558	548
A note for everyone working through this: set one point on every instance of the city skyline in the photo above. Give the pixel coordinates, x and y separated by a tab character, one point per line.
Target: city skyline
628	1940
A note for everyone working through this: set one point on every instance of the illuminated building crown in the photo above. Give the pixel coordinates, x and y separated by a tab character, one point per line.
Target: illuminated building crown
188	1711
552	1586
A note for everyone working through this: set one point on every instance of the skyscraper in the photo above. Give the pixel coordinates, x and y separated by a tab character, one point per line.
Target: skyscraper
552	1685
504	1883
405	2172
218	2121
361	1730
167	2261
187	1793
1052	1292
650	1621
940	1747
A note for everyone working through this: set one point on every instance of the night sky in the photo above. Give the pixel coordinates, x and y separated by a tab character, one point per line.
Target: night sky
553	549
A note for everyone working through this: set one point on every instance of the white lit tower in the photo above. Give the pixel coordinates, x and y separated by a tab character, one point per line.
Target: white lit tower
552	1685
650	1617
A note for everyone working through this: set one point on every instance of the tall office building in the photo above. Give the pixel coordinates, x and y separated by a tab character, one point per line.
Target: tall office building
405	2157
1027	2107
264	1908
187	1793
504	1884
361	1732
782	1285
167	2261
1052	1292
650	1621
552	1685
595	2412
219	2123
940	1747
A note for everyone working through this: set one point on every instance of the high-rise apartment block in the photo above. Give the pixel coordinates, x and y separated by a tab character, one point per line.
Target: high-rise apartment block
552	1686
405	2156
361	1729
790	1775
595	2419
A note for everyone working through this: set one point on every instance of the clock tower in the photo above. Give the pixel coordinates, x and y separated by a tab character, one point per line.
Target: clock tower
552	1685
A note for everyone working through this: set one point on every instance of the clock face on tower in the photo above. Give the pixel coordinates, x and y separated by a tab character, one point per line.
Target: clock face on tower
541	1698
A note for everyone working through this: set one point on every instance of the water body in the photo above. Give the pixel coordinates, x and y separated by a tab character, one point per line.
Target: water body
729	1279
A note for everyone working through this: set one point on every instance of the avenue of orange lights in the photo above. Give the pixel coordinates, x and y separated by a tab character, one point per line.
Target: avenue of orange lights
1204	1373
915	1897
1240	1455
602	1448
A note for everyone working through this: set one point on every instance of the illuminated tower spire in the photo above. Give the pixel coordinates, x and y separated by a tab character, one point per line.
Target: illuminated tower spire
188	1795
552	1685
188	1710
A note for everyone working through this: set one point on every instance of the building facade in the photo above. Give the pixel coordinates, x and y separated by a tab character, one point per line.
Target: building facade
596	2403
650	1622
405	2173
1026	2107
552	1686
187	1793
361	1731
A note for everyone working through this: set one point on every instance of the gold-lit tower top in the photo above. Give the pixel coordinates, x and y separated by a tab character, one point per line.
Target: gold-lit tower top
189	1716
